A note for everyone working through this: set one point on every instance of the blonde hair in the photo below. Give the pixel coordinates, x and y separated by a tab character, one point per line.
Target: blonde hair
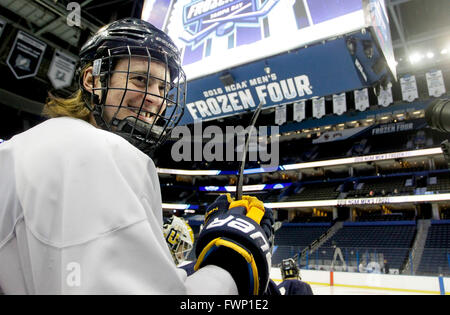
74	106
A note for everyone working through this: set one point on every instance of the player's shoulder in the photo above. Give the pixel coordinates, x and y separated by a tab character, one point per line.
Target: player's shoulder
70	138
301	288
70	132
62	159
295	287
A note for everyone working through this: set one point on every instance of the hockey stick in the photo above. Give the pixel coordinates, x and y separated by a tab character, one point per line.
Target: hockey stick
244	153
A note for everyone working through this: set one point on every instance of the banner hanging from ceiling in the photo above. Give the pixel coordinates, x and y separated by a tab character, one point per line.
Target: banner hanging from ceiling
25	55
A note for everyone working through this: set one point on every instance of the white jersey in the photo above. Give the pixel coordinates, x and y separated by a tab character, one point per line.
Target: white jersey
80	213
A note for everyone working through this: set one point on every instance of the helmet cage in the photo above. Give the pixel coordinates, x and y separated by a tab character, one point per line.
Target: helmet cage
143	134
181	250
180	245
289	269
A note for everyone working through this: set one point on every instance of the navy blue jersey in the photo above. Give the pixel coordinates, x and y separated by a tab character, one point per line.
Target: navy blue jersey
272	288
295	287
189	268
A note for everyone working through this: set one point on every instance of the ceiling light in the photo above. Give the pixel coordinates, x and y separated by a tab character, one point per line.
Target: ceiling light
414	58
430	55
444	51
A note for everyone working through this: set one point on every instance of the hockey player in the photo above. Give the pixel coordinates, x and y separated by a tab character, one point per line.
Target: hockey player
179	237
80	201
292	284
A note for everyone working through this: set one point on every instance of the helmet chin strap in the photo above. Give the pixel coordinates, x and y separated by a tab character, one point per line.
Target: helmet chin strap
125	127
97	112
128	126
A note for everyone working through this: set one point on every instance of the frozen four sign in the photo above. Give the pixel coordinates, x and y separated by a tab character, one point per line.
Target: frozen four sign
234	98
25	55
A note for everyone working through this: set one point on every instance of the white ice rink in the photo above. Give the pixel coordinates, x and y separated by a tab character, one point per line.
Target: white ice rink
348	283
340	290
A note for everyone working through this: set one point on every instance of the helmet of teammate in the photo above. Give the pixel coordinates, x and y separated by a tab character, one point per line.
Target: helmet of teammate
289	269
126	39
179	237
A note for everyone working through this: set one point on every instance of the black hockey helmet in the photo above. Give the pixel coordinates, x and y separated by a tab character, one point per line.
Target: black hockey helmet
125	39
289	269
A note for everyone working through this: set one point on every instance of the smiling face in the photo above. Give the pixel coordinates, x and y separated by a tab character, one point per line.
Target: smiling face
144	96
135	95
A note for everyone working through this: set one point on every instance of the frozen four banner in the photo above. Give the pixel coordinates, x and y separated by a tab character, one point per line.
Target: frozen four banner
244	37
291	80
245	95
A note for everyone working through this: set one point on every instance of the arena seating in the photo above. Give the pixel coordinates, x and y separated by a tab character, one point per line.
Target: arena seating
377	217
380	187
436	255
392	239
305	150
292	238
318	191
441	184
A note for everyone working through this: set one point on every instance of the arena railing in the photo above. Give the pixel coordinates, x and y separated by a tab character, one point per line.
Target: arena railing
388	260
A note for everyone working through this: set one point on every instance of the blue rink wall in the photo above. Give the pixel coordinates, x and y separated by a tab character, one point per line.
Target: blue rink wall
394	284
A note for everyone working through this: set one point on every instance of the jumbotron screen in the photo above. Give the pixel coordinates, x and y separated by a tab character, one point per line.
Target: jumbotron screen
214	35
